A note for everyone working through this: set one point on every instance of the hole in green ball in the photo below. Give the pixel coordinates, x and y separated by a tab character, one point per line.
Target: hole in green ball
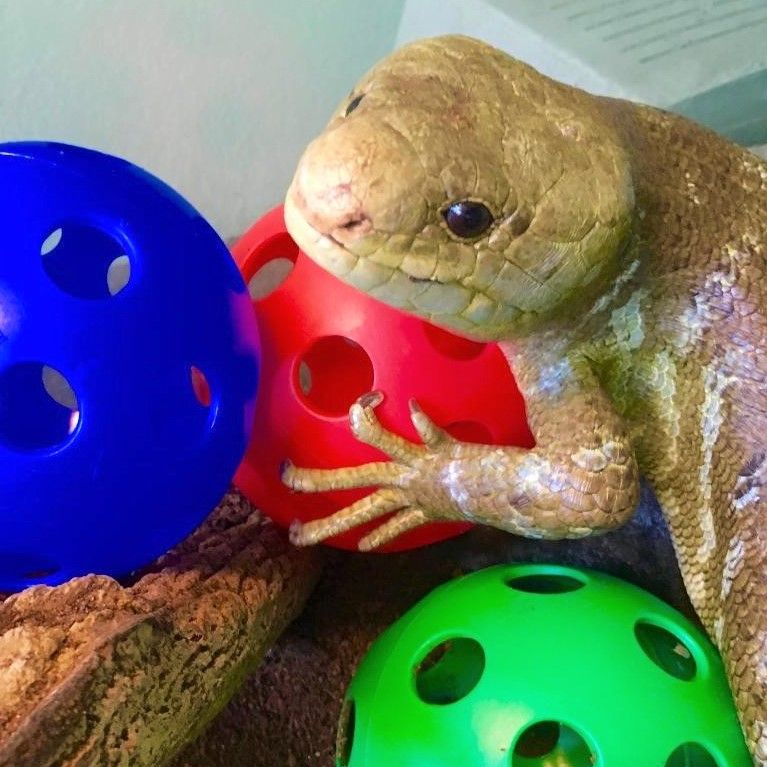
449	671
538	740
551	744
666	650
345	739
691	755
545	584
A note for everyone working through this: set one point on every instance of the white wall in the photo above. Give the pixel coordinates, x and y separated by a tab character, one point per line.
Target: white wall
216	97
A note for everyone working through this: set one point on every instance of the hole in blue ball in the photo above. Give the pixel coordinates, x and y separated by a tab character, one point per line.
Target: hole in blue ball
118	275
200	386
38	406
666	650
25	569
691	755
450	671
85	261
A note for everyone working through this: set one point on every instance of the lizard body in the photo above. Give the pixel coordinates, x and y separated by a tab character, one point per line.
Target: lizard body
617	253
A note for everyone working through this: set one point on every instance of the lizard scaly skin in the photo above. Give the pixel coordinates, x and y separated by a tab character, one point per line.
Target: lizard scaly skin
617	253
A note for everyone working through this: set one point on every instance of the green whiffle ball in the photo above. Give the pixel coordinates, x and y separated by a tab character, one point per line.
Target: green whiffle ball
540	666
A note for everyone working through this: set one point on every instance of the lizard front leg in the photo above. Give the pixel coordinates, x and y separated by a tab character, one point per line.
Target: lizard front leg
580	479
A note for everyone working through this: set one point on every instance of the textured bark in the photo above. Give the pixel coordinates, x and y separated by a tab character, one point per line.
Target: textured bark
96	673
286	713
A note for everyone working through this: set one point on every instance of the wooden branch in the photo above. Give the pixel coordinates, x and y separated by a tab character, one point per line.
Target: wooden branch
95	673
286	713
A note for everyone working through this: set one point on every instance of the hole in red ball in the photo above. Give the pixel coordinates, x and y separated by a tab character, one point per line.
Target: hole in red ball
551	743
38	406
269	265
451	345
332	373
85	261
470	431
200	386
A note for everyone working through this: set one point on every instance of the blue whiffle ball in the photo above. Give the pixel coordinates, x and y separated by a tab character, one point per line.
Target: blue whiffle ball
128	365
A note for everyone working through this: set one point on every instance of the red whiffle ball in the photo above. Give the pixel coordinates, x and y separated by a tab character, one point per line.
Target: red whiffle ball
323	344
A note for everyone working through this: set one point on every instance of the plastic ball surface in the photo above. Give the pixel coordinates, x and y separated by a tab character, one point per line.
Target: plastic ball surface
128	365
324	344
540	666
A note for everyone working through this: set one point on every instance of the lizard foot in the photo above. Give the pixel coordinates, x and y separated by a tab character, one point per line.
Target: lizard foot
401	482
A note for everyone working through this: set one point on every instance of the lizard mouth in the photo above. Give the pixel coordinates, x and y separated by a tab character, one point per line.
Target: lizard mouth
439	301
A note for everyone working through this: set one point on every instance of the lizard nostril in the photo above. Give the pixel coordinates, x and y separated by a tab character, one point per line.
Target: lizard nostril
520	222
332	209
351	229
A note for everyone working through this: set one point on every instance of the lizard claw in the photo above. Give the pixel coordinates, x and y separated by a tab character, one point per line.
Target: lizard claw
431	435
366	509
407	519
392	478
368	429
372	399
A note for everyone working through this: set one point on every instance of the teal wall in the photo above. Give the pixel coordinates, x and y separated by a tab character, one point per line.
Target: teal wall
217	97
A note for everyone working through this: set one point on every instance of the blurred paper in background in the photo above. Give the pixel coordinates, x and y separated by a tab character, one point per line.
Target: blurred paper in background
704	58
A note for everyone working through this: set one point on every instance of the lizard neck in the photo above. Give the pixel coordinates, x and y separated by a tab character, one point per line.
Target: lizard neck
694	191
589	322
681	199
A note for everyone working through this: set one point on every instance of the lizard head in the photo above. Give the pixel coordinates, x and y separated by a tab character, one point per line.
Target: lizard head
461	185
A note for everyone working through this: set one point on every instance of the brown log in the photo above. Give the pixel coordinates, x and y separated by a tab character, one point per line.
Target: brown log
93	672
286	713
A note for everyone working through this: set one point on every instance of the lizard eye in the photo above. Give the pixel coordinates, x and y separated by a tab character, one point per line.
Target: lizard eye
467	218
353	104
